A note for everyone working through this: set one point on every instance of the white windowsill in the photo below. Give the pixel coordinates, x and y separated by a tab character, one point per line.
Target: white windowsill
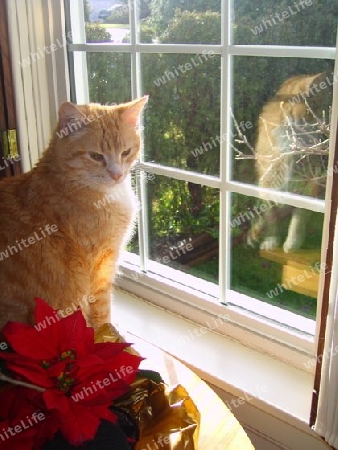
267	383
255	324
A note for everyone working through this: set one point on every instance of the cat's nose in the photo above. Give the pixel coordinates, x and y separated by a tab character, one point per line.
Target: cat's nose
115	175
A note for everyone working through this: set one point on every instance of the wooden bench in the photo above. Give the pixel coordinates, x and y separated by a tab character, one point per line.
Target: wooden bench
301	269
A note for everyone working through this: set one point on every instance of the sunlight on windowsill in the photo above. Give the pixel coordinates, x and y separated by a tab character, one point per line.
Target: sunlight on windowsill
270	385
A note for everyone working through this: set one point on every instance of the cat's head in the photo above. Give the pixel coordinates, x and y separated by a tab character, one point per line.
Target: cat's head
99	144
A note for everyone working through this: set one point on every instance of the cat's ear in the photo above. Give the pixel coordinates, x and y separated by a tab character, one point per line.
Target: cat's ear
70	117
131	111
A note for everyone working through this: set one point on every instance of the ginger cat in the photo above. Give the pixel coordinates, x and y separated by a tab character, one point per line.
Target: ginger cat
60	239
286	125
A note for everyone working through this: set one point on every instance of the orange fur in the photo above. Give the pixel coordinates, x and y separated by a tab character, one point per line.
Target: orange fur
79	257
272	117
297	104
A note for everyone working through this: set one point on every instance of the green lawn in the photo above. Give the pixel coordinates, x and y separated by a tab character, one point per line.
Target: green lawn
114	25
255	276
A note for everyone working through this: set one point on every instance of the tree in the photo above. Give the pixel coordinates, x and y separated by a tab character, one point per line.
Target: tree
87	10
163	11
121	13
184	107
108	73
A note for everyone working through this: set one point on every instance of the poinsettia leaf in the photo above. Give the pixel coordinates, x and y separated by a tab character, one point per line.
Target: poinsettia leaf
27	341
55	369
28	370
17	405
55	399
91	395
109	349
91	361
47	430
74	334
77	424
47	323
121	367
80	425
105	413
81	378
42	310
18	443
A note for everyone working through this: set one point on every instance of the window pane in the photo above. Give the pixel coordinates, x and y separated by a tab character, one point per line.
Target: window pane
181	22
182	120
183	226
280	142
106	23
109	77
133	244
284	113
289	280
288	22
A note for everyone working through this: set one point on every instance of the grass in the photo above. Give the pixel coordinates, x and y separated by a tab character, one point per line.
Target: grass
114	25
255	276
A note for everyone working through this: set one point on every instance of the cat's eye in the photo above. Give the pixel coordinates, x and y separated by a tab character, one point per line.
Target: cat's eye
96	156
126	152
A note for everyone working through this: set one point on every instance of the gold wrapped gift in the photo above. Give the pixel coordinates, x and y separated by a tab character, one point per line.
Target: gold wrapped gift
167	417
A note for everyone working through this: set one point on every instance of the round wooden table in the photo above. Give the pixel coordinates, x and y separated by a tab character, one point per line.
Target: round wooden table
219	429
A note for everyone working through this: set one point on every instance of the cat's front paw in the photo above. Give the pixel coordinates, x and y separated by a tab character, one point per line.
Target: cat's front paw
251	242
270	243
291	245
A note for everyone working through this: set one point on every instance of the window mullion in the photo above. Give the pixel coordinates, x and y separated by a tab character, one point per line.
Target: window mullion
80	58
225	160
136	89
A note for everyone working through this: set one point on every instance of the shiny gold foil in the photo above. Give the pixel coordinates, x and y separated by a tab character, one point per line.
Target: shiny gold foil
167	417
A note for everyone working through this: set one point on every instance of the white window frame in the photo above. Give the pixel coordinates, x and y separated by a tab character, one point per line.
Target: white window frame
273	330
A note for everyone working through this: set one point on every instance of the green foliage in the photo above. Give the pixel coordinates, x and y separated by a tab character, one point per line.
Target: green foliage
184	107
144	8
163	11
172	216
96	33
193	28
86	9
183	113
108	73
121	14
313	25
147	34
257	78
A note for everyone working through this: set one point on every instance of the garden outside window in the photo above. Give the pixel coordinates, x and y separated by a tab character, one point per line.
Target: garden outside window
209	69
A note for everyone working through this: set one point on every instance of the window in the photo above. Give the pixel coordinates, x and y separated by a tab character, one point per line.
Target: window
218	172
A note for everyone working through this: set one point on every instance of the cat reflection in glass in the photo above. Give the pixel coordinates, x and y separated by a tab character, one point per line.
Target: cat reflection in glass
291	155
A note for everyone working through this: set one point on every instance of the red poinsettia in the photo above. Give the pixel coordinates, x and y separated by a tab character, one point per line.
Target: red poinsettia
80	378
23	423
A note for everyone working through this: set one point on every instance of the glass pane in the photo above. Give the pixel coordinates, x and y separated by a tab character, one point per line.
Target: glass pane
183	226
260	267
181	21
288	22
109	77
106	22
182	119
281	125
133	245
148	178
